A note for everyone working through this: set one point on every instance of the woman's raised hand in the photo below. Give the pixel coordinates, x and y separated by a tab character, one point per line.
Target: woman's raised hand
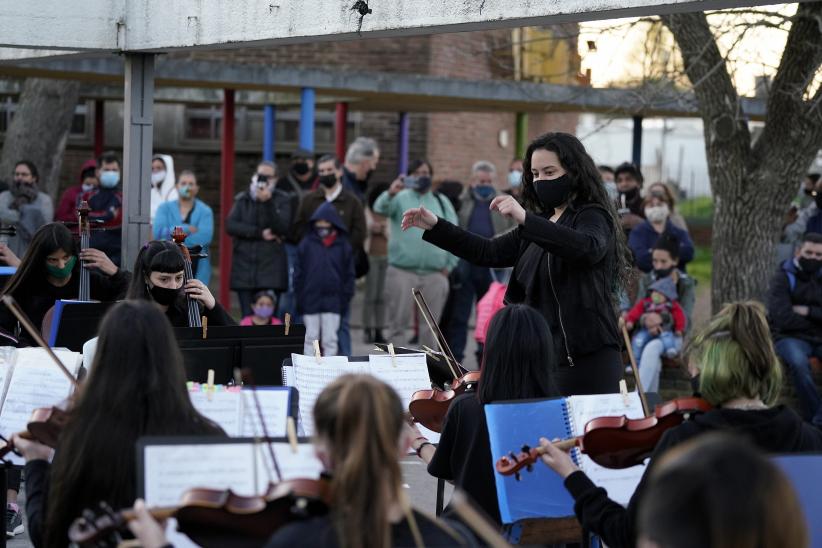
508	206
418	217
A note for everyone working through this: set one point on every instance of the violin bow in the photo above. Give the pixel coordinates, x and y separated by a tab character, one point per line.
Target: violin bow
245	377
635	369
24	320
435	330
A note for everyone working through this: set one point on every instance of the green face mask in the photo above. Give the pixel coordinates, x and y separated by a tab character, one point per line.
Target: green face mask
61	273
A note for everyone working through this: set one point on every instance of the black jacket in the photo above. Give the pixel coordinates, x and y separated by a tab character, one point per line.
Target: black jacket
775	430
565	270
806	291
257	263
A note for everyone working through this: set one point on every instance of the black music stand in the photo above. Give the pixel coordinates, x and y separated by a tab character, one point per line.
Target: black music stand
75	322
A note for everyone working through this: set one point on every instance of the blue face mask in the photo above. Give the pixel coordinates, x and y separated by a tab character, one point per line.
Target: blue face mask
484	193
109	179
184	191
515	178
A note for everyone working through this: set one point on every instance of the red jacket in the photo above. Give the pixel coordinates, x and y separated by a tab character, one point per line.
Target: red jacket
67	210
641	307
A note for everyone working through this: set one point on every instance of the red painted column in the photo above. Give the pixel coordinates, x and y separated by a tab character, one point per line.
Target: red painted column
340	128
99	127
226	193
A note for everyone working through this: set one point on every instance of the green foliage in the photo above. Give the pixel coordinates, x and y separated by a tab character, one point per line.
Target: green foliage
700	268
699	210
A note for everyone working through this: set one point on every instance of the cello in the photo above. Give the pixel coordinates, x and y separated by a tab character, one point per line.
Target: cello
179	237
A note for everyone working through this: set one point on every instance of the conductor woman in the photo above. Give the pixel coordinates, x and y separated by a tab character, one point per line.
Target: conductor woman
568	253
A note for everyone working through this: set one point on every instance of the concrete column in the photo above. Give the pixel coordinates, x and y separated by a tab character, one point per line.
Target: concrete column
99	127
340	130
308	99
402	143
521	143
636	150
226	193
138	127
269	131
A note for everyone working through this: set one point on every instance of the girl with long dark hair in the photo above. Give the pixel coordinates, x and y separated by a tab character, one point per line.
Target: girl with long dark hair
136	387
568	254
511	371
159	273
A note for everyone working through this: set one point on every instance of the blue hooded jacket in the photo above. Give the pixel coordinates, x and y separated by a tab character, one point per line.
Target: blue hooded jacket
324	276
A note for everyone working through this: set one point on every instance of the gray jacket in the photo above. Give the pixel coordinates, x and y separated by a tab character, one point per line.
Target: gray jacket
467	201
27	219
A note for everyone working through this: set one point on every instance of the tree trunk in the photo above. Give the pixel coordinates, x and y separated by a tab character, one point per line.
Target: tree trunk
752	185
39	130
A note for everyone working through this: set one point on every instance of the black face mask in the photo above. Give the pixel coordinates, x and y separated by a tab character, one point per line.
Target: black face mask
631	194
663	272
811	266
301	168
818	200
164	295
328	181
553	193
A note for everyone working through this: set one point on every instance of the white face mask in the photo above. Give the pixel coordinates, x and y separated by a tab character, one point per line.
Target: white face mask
158	177
657	214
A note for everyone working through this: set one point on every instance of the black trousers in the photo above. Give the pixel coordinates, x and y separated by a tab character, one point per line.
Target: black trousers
595	373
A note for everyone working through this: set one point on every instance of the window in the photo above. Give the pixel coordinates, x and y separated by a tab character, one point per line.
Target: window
8	106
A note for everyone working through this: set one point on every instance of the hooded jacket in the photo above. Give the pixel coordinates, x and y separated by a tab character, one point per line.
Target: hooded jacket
792	286
774	430
324	276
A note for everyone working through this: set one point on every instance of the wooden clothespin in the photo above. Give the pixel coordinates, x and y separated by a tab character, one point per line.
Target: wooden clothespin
287	323
291	432
623	389
392	354
205	327
210	385
317	353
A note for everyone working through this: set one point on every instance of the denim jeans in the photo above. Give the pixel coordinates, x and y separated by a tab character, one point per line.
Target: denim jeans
649	350
671	343
795	354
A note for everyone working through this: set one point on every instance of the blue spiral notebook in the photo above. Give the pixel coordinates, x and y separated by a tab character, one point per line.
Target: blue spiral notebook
540	493
804	471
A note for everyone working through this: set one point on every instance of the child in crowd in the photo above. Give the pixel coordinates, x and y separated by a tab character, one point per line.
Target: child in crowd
660	316
264	304
324	278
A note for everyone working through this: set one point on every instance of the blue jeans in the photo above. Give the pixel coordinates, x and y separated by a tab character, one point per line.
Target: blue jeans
344	333
471	283
671	344
795	354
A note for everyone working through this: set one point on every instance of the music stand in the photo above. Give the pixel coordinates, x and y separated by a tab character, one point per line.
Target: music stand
75	322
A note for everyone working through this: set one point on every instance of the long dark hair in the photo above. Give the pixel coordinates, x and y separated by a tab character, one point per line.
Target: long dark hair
156	256
136	387
32	270
586	189
519	357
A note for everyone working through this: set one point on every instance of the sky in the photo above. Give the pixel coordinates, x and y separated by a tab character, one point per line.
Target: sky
620	45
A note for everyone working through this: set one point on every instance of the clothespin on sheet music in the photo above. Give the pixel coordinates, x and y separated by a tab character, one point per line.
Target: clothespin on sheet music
210	385
287	323
291	432
317	353
623	389
205	327
392	354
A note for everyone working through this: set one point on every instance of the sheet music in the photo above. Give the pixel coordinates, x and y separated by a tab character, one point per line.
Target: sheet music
302	464
406	374
288	375
224	408
6	364
274	403
170	470
311	378
35	382
620	484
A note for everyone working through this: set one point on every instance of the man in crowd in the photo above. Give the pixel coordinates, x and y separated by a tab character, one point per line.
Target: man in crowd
515	178
795	313
106	204
361	160
629	198
24	206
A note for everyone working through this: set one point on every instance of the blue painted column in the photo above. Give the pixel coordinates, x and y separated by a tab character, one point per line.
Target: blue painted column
269	132
308	100
402	143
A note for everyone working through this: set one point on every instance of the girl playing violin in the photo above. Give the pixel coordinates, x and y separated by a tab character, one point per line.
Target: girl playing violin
49	272
511	371
740	375
136	387
159	276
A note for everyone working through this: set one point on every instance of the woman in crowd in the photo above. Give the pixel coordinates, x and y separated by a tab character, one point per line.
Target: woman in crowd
136	387
664	191
740	376
511	371
568	257
159	273
657	222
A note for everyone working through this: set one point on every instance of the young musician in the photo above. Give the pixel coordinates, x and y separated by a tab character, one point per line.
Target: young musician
741	377
568	255
136	387
50	271
159	272
511	371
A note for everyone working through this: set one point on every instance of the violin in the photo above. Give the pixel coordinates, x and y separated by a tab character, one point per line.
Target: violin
428	407
45	426
217	518
614	442
179	237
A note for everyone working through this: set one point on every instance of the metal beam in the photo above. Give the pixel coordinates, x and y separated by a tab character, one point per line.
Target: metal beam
227	152
138	144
